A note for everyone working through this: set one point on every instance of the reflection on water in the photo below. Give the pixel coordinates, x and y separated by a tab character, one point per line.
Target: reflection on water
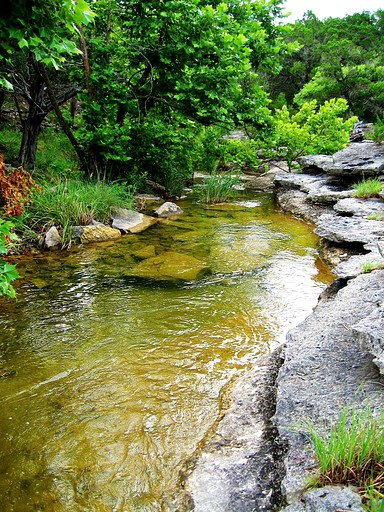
118	374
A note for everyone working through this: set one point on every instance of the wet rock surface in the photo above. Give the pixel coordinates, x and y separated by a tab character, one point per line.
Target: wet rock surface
240	466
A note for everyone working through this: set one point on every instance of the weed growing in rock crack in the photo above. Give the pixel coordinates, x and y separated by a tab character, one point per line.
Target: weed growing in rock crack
368	188
352	453
369	266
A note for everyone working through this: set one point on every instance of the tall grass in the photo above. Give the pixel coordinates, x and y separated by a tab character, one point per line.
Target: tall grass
352	453
217	188
71	203
368	188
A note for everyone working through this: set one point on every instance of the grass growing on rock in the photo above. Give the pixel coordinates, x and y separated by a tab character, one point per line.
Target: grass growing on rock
368	188
352	453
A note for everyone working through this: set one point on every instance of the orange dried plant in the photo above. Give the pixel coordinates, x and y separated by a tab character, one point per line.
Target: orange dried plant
15	190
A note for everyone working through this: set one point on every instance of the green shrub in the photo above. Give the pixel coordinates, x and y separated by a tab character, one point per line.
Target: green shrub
312	130
368	188
352	453
217	188
71	203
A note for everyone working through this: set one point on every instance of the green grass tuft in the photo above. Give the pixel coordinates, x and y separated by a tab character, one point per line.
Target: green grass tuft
352	453
218	188
368	188
73	203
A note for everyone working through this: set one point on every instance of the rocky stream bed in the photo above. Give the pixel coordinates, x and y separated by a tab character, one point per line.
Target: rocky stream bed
258	457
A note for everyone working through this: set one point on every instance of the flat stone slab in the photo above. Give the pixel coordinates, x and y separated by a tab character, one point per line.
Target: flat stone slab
130	221
356	265
348	229
324	371
360	207
314	164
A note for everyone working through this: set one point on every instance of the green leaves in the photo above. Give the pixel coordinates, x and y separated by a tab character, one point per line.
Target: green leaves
8	272
312	130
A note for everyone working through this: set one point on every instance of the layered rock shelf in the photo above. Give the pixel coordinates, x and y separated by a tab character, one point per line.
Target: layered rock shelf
258	457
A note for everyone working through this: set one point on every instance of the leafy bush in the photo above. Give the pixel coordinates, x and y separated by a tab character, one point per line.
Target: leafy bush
368	188
352	453
8	272
68	203
312	130
217	188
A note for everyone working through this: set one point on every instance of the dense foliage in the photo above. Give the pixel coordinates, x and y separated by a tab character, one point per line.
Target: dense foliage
339	58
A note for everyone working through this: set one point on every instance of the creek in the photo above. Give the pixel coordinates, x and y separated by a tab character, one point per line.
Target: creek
113	375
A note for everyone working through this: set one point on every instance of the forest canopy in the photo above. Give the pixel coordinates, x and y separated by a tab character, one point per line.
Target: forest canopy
148	88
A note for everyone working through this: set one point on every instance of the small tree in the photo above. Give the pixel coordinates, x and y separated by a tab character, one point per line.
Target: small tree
312	130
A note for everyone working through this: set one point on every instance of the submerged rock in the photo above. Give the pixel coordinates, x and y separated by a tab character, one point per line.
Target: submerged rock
169	266
130	221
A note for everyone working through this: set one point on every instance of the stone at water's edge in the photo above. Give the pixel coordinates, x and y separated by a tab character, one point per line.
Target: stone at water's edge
52	239
240	467
95	233
167	209
359	207
169	266
130	221
328	499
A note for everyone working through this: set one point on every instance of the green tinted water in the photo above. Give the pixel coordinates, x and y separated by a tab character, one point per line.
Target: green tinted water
115	369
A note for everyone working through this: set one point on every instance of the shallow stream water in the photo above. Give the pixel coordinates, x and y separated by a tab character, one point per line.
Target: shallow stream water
114	366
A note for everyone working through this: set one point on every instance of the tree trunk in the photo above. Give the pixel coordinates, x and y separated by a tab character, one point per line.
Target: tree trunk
32	124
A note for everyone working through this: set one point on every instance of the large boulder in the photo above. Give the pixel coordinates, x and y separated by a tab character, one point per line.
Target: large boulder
130	221
355	161
169	266
324	371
